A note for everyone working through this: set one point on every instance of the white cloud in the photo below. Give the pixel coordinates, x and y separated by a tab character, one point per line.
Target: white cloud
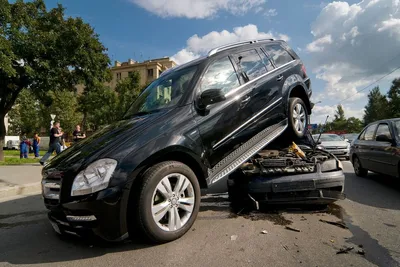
354	45
319	113
317	45
199	45
271	13
198	9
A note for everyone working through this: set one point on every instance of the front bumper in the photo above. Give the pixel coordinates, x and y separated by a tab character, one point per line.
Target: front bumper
339	152
314	188
100	214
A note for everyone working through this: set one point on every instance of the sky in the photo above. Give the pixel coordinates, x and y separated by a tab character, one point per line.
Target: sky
345	45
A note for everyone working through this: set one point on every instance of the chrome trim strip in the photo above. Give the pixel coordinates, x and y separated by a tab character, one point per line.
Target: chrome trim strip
87	218
52	185
247	122
258	78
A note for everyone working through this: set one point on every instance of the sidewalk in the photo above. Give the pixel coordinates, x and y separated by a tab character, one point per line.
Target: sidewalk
20	180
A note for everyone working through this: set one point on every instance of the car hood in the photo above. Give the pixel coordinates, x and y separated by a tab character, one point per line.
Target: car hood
335	143
108	142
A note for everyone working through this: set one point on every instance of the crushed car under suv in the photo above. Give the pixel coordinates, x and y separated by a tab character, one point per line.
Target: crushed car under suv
187	130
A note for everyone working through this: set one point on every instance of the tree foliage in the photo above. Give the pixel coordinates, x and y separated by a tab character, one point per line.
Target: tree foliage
41	50
24	117
377	106
394	99
101	105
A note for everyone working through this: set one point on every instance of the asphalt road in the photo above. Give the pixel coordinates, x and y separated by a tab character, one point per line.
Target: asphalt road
221	238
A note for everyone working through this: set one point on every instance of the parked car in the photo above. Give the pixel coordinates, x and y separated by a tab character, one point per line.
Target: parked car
377	149
188	129
334	144
11	142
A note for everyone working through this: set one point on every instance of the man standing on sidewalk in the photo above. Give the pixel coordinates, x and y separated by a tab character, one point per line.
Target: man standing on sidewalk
54	145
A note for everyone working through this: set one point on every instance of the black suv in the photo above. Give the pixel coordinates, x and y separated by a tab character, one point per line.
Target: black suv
188	129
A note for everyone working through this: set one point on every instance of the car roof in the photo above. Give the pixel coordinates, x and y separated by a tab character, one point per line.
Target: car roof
384	120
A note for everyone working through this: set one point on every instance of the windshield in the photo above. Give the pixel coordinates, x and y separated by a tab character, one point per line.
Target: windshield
165	92
328	137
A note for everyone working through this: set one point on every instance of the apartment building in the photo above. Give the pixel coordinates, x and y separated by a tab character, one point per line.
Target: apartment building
149	70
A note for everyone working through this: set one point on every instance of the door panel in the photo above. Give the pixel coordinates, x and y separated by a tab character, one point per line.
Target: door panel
382	159
220	119
363	146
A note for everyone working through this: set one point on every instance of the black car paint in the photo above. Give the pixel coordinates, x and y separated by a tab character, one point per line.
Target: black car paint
185	132
377	156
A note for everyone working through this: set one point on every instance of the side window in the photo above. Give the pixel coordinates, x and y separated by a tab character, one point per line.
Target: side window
383	129
250	64
369	133
266	61
278	54
220	75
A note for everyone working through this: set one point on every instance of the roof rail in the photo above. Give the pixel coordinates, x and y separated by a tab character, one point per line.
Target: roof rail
225	47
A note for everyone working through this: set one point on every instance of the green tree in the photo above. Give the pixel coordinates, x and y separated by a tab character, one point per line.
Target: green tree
42	50
354	125
99	106
339	123
394	99
64	105
25	114
377	106
128	90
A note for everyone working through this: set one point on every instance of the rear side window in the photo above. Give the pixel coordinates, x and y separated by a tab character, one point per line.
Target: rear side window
368	134
250	64
220	75
383	129
279	55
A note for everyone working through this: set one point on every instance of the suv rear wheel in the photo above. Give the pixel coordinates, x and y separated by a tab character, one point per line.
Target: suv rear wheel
169	201
298	116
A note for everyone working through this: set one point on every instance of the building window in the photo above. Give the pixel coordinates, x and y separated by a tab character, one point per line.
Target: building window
118	76
150	73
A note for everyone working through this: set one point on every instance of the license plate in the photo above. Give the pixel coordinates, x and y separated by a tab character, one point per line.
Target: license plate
55	227
337	152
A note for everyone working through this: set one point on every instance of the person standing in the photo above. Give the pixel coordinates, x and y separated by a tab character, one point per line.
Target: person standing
77	134
36	144
24	147
54	144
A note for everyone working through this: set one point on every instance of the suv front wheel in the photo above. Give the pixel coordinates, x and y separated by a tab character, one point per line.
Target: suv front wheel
298	116
169	201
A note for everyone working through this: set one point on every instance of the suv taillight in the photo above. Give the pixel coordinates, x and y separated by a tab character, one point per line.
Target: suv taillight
303	69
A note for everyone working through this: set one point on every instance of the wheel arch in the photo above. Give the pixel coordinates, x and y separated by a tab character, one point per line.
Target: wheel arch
297	90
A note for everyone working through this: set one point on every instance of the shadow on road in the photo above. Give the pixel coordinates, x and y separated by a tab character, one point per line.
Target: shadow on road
375	190
28	238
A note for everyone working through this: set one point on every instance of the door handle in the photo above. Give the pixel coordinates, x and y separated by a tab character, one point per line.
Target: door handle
247	99
280	78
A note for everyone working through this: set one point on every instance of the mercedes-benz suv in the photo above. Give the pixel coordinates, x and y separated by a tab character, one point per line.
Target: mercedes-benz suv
187	130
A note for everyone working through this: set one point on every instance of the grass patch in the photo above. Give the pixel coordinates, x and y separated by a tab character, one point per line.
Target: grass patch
17	161
15	153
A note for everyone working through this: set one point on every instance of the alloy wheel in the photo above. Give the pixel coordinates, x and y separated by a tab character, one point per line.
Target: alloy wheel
299	118
173	202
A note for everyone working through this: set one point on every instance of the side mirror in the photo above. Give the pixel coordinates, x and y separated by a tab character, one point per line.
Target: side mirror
383	138
211	96
347	140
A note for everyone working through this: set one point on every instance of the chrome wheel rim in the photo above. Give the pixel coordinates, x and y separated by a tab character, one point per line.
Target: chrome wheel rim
299	118
173	202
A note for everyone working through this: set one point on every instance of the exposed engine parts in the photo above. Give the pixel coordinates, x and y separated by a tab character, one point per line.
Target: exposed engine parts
289	160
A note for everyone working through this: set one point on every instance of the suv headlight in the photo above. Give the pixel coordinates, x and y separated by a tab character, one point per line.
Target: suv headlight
94	178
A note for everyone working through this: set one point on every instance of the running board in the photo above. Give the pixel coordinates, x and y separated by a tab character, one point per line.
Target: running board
246	151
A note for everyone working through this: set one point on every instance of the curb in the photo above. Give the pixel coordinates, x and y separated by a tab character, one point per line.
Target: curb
15	190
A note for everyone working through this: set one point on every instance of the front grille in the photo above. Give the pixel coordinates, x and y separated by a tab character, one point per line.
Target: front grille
51	186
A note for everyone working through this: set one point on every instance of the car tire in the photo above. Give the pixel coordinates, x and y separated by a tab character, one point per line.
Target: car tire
358	169
298	117
164	211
